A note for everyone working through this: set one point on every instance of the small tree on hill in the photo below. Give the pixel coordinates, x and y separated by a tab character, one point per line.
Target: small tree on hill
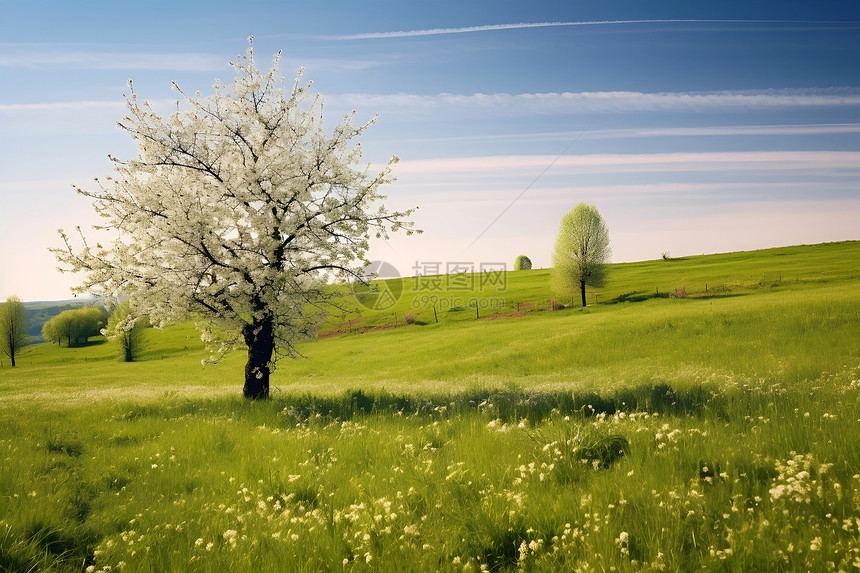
237	211
522	263
581	251
127	329
13	327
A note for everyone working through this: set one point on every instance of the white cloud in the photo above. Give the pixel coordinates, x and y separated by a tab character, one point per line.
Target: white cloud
62	106
700	131
598	163
569	102
724	130
107	59
495	196
549	103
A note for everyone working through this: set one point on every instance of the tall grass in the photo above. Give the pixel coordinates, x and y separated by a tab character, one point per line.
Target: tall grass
650	434
741	480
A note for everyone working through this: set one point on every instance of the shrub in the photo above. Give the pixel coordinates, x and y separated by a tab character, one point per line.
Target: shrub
601	451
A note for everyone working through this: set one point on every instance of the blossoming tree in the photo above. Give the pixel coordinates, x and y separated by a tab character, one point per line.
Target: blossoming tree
237	211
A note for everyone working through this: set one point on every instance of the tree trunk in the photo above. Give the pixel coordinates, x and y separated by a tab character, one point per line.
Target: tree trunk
261	345
126	346
582	291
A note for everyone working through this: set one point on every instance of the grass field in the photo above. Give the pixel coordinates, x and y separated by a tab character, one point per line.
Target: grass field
667	426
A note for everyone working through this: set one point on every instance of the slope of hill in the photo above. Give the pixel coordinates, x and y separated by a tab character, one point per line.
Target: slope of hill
775	312
455	297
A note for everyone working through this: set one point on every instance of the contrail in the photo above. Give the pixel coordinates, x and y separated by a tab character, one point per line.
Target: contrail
535	180
522	25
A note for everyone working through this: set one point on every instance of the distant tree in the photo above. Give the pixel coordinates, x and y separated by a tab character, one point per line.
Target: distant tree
127	329
13	328
38	315
522	263
582	251
59	328
237	210
50	331
75	326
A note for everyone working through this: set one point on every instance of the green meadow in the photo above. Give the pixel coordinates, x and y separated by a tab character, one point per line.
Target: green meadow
700	413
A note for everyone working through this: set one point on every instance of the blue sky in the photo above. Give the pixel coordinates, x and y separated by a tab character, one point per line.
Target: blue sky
694	127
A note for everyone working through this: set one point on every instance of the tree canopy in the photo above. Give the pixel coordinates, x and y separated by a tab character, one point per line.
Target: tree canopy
237	211
582	251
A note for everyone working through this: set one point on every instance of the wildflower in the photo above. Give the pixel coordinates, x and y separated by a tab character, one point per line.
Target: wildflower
524	551
622	543
230	536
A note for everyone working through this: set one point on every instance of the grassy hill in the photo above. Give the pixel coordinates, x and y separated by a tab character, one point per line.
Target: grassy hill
759	308
668	425
456	296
